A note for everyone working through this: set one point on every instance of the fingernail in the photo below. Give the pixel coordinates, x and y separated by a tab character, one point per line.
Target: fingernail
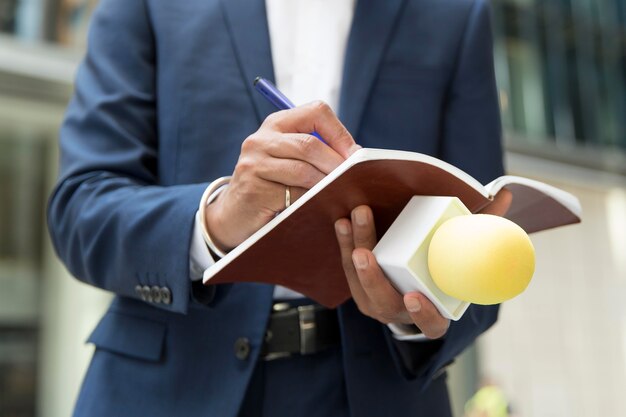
360	217
342	228
413	305
360	260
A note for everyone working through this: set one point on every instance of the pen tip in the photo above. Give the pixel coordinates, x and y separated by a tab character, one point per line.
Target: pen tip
256	80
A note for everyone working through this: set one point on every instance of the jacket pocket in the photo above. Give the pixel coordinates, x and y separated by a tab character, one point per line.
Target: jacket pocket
129	335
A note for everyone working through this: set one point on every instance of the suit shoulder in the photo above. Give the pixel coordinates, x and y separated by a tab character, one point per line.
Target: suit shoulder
447	19
453	8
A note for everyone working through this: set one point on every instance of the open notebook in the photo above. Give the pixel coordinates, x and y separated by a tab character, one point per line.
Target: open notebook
298	248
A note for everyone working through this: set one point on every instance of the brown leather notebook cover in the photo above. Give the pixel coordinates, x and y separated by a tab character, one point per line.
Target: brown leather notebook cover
298	248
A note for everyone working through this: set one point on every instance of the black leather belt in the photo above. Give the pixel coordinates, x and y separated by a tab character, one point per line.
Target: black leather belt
302	330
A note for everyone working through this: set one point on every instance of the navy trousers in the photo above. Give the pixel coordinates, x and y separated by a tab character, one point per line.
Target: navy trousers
318	391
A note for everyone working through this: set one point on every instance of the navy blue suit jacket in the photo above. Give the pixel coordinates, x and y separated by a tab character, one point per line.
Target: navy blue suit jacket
163	102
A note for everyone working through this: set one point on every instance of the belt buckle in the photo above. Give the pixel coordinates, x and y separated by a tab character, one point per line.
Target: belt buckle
308	329
276	355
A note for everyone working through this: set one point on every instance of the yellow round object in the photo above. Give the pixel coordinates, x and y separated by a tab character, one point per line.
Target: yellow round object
481	258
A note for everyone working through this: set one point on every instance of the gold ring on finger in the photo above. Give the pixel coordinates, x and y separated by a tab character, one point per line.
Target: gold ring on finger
287	197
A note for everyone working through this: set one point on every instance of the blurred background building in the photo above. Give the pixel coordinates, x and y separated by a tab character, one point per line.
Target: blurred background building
558	350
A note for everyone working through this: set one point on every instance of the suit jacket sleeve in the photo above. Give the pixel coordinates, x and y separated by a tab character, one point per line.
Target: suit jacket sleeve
111	222
471	141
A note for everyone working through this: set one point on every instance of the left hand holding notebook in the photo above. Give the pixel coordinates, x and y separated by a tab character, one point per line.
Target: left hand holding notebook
370	288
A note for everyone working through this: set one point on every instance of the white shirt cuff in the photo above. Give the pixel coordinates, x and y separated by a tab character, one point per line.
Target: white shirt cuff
406	333
199	256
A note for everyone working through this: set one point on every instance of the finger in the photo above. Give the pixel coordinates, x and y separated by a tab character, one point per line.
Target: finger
425	315
290	195
260	198
305	148
315	117
386	303
343	230
249	199
285	196
254	196
296	193
290	172
364	231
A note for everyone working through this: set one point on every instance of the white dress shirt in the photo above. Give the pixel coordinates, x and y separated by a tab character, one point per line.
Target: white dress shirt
308	40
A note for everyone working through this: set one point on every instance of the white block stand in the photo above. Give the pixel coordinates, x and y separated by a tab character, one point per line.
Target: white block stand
403	251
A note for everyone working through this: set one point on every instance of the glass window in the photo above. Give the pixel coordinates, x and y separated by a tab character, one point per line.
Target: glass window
22	164
59	21
561	67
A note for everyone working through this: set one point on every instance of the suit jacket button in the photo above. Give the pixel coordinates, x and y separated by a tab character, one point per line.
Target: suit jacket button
156	294
242	348
146	292
139	291
166	296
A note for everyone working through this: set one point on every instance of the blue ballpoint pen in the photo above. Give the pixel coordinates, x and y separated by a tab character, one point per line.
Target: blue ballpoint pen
276	97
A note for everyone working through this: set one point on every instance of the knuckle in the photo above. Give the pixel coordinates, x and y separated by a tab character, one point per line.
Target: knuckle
293	169
273	119
245	164
343	133
251	143
435	333
321	106
428	333
444	329
383	316
305	144
309	178
302	173
346	262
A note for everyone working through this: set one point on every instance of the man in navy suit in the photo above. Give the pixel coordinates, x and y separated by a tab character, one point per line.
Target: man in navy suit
164	105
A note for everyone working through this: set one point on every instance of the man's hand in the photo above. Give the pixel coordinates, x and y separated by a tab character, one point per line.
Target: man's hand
371	290
281	154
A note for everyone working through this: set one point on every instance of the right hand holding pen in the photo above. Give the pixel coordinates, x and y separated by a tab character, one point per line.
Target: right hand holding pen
280	154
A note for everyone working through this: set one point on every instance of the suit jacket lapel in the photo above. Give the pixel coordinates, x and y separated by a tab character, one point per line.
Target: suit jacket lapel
372	28
247	23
